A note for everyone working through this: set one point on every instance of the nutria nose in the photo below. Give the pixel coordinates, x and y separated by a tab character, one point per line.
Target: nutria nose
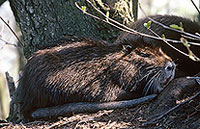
170	66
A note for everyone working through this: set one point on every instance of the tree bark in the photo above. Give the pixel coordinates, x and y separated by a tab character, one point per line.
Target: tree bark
43	22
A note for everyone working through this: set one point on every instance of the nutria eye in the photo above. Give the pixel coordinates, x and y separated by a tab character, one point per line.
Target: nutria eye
143	54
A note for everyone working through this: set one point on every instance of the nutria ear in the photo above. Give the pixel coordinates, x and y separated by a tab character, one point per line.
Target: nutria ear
127	49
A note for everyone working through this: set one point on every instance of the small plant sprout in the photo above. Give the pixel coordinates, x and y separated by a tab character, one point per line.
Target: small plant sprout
174	26
147	25
190	53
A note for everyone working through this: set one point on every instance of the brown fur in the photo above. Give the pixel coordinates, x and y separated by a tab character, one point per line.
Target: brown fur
90	72
184	64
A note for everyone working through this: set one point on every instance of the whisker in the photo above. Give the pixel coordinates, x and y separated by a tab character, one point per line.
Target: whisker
147	87
150	73
149	67
149	84
146	76
153	89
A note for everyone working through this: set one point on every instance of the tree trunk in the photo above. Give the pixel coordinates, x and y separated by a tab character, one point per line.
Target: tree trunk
43	22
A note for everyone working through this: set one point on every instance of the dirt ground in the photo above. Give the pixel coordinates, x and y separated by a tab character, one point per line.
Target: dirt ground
186	116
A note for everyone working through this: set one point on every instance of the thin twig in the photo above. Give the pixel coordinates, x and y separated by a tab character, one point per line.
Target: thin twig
166	27
175	107
58	124
176	30
193	77
195	57
21	43
7	43
188	37
195	6
176	41
169	28
169	44
172	109
125	28
106	21
132	31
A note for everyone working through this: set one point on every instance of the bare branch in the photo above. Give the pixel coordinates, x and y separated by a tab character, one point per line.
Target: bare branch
7	43
169	28
172	109
195	58
195	6
132	31
178	88
21	43
129	30
193	77
169	44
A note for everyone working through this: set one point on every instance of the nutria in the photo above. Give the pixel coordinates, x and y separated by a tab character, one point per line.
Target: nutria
184	64
89	72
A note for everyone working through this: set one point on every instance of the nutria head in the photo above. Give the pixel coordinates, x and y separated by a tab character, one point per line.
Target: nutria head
149	70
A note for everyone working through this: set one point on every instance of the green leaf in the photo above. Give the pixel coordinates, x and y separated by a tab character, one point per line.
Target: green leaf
83	8
181	24
163	36
107	14
174	26
147	25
